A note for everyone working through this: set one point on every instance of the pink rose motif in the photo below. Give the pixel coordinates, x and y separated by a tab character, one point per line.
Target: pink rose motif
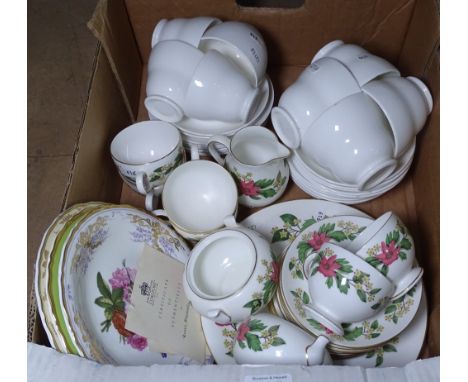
123	278
327	331
242	331
328	266
389	253
137	342
274	272
317	240
249	188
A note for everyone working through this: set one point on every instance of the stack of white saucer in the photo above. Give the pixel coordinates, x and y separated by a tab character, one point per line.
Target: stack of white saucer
207	77
351	121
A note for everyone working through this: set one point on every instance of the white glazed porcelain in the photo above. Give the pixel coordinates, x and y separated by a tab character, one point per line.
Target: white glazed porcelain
170	68
187	30
218	90
364	66
198	196
343	287
321	85
145	153
388	246
243	44
406	102
230	274
353	141
269	340
257	161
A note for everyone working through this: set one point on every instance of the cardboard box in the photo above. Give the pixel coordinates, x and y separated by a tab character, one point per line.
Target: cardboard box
406	32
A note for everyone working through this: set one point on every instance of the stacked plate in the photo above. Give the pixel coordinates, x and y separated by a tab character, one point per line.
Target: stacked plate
394	337
320	183
196	132
85	270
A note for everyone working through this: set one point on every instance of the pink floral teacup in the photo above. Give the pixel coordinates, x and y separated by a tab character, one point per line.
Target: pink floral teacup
257	162
387	245
343	288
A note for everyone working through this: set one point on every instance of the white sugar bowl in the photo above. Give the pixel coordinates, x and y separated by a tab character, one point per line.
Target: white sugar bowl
231	274
268	339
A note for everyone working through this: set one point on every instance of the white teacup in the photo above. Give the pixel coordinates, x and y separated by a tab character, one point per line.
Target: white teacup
406	102
363	65
231	274
343	287
321	85
170	69
187	30
145	153
269	340
243	44
197	197
220	91
387	245
353	141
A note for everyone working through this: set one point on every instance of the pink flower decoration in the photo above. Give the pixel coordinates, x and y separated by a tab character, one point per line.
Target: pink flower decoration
274	272
389	253
137	342
328	266
317	240
242	331
123	278
249	188
327	331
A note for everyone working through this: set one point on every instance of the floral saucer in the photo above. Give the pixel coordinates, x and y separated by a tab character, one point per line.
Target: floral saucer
399	350
98	268
385	325
281	223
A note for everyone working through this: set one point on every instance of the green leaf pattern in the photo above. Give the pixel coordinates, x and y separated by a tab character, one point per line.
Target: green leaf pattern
380	351
258	336
258	189
163	171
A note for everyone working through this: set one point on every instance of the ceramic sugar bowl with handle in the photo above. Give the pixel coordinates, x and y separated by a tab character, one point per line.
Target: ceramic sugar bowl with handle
257	161
231	274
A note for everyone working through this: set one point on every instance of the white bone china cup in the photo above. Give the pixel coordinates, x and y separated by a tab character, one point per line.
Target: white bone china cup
363	65
343	287
387	245
145	154
187	30
406	102
321	85
197	197
243	44
230	274
279	342
170	69
353	141
219	91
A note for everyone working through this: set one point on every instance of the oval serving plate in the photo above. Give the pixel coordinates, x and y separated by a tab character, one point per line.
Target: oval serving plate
98	270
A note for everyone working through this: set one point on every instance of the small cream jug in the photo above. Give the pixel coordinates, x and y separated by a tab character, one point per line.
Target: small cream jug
257	161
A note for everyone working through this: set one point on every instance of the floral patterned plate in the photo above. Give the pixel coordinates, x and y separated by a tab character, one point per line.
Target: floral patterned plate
98	270
400	350
282	222
41	276
385	325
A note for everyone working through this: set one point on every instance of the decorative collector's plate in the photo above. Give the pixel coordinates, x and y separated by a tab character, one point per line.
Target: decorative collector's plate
95	281
281	223
386	324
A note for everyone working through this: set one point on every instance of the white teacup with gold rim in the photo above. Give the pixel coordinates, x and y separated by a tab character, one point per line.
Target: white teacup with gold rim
145	153
268	339
387	245
231	274
343	287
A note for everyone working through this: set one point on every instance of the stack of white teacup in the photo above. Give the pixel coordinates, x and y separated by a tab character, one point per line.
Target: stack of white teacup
351	120
207	77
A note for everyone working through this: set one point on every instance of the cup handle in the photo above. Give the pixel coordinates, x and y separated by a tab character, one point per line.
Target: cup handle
230	222
221	139
307	264
194	152
315	352
142	183
152	198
